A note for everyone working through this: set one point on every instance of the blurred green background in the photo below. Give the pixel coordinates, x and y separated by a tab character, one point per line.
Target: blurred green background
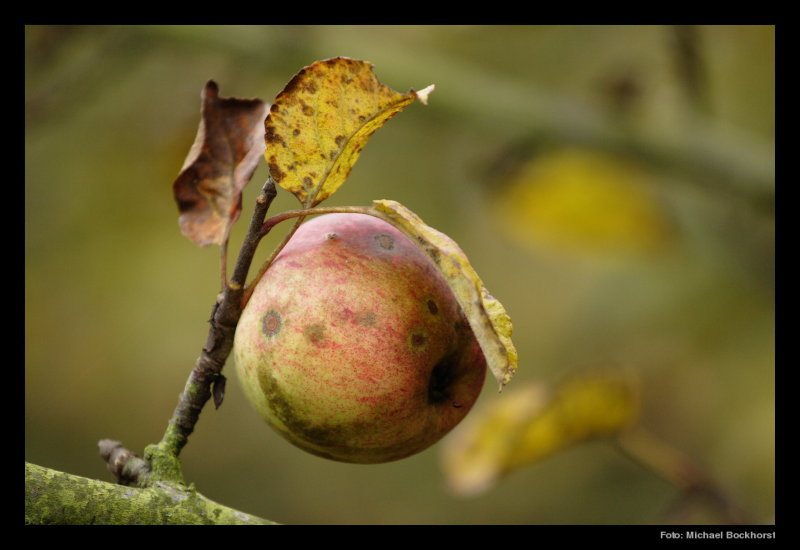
612	185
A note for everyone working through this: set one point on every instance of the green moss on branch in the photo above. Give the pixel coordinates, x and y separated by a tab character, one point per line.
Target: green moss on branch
53	497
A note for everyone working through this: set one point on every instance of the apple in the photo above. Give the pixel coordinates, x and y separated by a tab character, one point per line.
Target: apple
353	346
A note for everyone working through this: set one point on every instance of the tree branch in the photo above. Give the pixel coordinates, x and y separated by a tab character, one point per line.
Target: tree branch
679	470
206	375
219	342
58	498
126	466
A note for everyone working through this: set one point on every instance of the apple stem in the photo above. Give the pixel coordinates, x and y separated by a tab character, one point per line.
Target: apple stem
304	212
301	215
264	230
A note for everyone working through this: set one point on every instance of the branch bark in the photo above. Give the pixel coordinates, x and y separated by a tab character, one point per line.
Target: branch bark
58	498
151	490
206	376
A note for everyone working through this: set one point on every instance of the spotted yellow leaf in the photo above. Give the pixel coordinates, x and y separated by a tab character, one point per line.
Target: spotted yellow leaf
319	123
533	423
486	315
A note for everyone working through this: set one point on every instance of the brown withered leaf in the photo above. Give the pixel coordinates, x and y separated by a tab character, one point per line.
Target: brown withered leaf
225	153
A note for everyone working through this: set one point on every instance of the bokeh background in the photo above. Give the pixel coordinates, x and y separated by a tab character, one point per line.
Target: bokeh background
612	185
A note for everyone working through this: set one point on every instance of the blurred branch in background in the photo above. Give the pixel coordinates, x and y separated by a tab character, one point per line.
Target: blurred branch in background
538	421
693	482
705	152
691	67
82	63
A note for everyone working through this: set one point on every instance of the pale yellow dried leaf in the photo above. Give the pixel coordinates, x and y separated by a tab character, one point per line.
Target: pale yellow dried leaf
580	409
486	315
321	120
473	457
533	423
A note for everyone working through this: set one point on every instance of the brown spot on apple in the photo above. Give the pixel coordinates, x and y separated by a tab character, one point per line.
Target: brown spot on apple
366	318
315	333
385	241
271	323
417	340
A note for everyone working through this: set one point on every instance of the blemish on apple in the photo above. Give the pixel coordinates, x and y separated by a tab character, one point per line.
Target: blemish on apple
385	241
418	340
271	323
366	318
315	333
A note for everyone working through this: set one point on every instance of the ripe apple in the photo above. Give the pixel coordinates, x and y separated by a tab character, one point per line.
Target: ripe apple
353	346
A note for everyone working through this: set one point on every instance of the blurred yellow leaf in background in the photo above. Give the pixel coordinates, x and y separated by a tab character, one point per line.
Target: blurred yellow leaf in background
580	200
533	423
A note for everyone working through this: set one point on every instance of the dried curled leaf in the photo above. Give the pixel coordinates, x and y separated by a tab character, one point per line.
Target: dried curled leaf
487	316
474	456
225	153
319	123
533	423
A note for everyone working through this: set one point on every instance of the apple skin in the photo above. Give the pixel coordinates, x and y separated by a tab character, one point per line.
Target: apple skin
353	346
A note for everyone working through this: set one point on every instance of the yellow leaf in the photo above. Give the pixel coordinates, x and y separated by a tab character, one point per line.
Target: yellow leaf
473	457
486	315
584	201
533	423
321	120
580	409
